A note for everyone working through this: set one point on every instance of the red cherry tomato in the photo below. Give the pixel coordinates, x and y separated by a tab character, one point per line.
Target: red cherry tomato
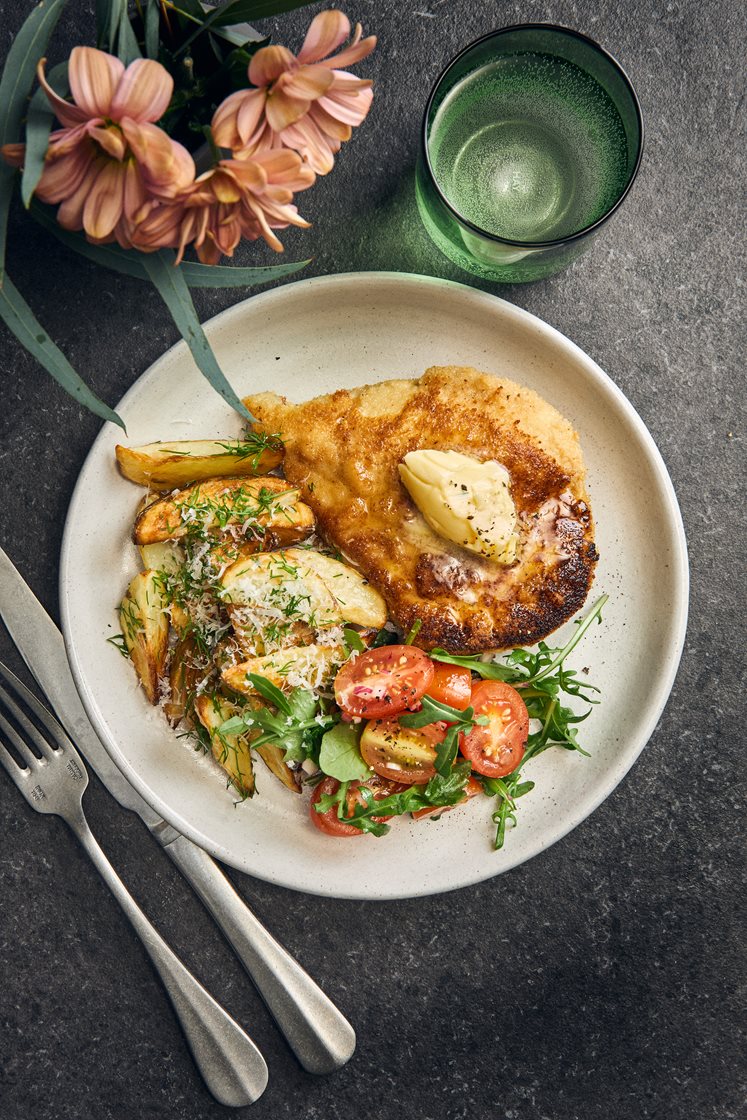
496	749
383	682
401	754
452	685
329	822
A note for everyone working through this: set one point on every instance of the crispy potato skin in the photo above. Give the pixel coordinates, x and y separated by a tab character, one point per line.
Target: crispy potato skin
154	466
273	759
145	627
232	752
276	666
290	521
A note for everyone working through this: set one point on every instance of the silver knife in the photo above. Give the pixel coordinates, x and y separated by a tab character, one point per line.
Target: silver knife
317	1032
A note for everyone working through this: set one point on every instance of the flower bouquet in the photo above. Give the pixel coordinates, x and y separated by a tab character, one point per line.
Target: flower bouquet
183	129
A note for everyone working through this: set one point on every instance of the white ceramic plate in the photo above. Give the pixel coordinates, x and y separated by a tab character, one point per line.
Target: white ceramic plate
338	331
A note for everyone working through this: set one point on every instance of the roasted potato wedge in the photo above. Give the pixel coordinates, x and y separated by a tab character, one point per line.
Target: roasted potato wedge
273	758
145	627
231	751
269	505
313	665
358	602
283	586
163	556
169	466
187	670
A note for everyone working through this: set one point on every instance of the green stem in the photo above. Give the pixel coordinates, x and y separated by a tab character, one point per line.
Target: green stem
580	631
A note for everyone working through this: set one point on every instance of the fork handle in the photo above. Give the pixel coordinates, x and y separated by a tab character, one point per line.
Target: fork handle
317	1032
230	1063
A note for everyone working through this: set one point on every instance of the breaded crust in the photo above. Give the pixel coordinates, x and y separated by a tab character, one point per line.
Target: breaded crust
343	452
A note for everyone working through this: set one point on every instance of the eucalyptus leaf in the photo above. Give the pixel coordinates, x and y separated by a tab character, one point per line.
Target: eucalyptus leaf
110	256
27	48
340	756
152	23
173	289
20	319
104	23
128	48
38	127
226	276
260	9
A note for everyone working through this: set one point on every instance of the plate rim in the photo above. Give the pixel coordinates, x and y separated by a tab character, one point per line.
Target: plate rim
680	578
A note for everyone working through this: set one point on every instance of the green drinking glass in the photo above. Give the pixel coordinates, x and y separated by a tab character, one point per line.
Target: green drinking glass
532	138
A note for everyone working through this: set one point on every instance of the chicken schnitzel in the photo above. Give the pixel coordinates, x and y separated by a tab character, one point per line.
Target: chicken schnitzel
344	451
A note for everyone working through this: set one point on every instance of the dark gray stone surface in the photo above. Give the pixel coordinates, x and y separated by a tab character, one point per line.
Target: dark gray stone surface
602	980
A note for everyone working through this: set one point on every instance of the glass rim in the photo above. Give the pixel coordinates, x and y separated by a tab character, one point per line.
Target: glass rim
555	242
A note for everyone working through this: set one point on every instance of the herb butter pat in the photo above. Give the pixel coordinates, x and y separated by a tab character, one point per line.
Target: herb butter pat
464	500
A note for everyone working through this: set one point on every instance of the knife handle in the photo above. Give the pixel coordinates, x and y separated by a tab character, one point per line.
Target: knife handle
317	1032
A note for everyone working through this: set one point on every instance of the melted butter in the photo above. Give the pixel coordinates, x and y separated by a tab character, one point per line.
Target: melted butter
464	501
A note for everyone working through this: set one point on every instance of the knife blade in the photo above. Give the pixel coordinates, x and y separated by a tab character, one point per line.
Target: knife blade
42	647
315	1029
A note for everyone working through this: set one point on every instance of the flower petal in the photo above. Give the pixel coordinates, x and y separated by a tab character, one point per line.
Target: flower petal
285	167
350	108
250	173
93	77
281	109
144	91
62	177
268	64
14	154
111	140
355	52
135	195
316	148
329	124
237	117
225	187
167	167
326	32
308	82
103	207
67	114
250	114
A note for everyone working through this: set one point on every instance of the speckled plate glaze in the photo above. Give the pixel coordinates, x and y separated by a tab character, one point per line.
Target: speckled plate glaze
338	331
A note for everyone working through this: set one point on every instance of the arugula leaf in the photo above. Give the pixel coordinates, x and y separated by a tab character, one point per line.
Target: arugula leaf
433	711
339	754
270	692
353	640
440	792
295	727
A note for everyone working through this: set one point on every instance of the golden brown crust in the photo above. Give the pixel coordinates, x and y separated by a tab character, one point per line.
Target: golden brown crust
343	451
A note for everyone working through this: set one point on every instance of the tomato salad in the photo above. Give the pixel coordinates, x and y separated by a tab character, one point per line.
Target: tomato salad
410	732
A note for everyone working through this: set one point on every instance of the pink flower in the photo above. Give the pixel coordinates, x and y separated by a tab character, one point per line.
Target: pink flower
236	198
302	102
109	158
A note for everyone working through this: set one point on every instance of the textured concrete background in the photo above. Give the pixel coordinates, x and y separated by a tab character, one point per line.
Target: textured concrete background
602	979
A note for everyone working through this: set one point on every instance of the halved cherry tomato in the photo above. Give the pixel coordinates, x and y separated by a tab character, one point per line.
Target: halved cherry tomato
471	790
452	685
401	754
329	822
496	749
383	681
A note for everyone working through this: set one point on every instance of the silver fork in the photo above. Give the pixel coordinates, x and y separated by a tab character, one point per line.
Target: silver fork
53	781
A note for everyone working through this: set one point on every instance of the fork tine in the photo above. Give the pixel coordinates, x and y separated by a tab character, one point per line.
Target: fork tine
12	738
16	772
45	717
